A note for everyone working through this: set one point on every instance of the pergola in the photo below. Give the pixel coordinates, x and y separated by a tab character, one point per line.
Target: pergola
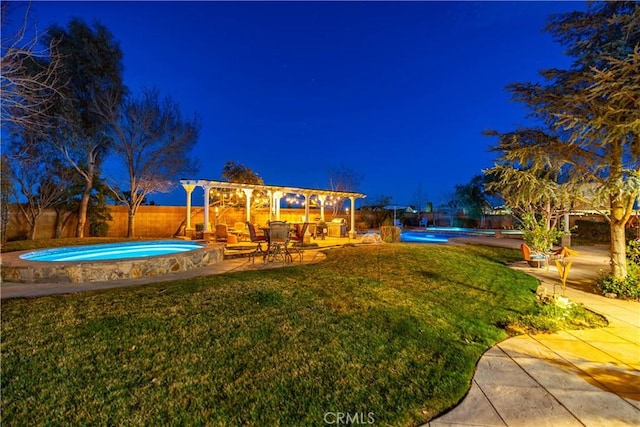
275	193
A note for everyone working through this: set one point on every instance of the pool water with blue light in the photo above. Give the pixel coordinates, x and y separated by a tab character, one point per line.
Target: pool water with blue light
111	251
425	237
443	234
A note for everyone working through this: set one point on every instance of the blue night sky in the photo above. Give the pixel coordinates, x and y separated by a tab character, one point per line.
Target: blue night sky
396	91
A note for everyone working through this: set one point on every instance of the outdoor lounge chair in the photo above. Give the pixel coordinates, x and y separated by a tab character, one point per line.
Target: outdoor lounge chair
533	259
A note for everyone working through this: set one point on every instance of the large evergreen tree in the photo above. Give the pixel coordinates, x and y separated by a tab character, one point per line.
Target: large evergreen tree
237	172
91	66
590	115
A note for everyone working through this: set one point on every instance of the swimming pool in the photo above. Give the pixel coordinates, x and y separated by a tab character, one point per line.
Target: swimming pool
111	251
115	261
443	234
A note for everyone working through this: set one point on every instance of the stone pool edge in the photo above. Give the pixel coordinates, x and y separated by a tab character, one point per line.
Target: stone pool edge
18	270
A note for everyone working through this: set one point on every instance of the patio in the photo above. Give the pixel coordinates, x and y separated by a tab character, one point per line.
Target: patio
312	254
274	197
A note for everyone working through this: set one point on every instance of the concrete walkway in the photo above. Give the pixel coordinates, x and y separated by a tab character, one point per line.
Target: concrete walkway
584	378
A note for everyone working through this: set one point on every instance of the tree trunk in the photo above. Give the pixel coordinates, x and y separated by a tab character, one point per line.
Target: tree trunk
84	202
82	211
58	226
131	224
618	248
32	231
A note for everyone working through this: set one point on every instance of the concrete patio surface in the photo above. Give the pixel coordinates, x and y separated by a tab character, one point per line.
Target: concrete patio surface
312	254
17	290
585	377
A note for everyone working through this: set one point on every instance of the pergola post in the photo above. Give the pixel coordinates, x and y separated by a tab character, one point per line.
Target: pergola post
270	196
277	196
322	200
188	187
247	193
307	202
205	227
352	232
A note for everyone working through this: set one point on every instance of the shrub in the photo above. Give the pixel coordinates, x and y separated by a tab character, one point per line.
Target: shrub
553	315
98	229
627	288
387	222
633	251
390	234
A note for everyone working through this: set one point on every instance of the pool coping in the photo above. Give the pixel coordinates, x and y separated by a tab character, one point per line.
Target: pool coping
15	269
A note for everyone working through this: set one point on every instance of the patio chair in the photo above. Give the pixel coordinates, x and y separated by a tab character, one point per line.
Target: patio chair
297	239
221	233
255	238
533	259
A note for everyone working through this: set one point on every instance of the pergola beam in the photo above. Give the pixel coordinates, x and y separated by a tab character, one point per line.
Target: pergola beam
293	190
248	189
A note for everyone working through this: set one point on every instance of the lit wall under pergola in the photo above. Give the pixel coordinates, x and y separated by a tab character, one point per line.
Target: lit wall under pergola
275	194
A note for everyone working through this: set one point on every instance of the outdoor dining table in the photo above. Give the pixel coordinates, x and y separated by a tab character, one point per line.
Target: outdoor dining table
275	250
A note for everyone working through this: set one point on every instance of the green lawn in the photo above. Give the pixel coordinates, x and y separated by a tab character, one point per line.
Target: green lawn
393	331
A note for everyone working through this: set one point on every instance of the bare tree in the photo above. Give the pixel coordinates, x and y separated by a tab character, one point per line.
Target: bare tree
342	178
153	142
40	181
29	76
6	190
420	198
